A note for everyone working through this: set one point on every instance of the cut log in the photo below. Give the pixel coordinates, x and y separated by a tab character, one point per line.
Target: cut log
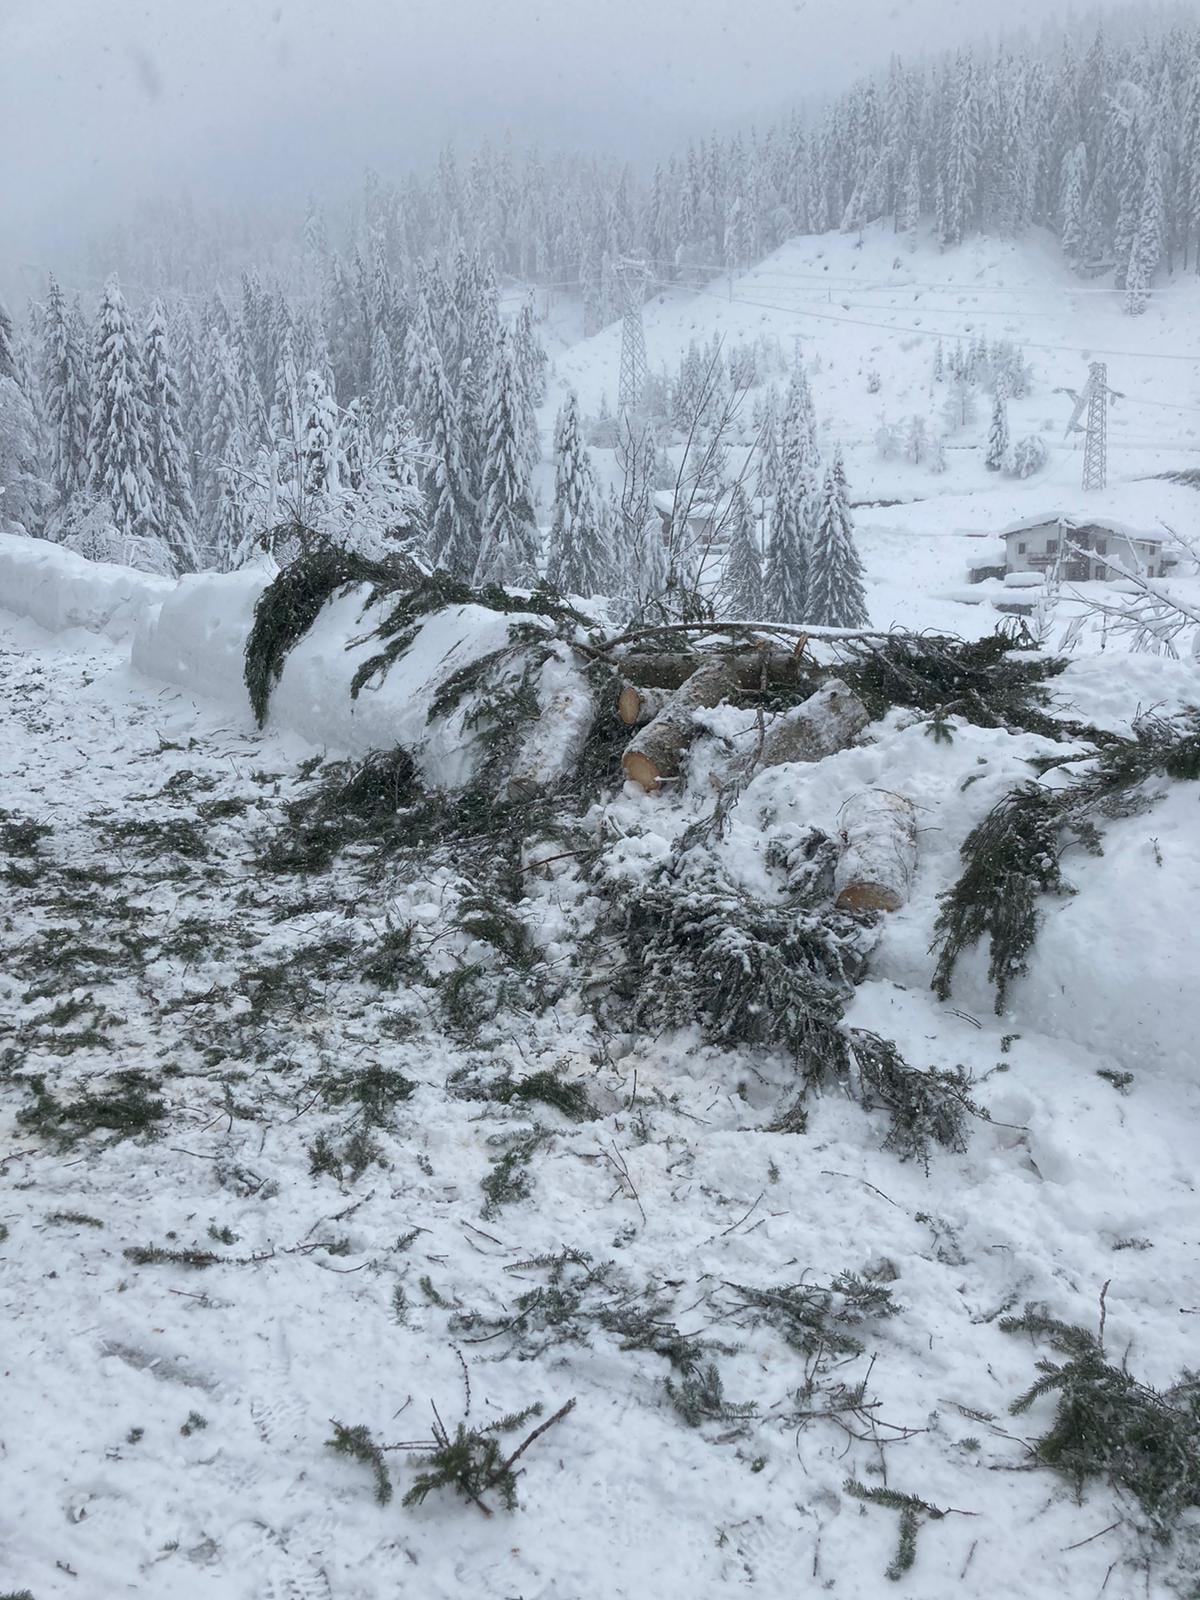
671	670
827	721
875	872
636	706
656	752
553	744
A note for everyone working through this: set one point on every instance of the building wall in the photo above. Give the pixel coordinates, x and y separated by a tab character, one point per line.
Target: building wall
1037	550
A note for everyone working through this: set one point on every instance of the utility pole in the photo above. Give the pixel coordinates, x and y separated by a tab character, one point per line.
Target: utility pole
1094	398
1095	444
632	387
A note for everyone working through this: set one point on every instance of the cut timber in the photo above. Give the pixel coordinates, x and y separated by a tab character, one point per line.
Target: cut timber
657	751
778	669
636	707
828	721
876	869
554	743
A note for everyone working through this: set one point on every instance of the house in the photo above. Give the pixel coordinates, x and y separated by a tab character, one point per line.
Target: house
1083	547
707	520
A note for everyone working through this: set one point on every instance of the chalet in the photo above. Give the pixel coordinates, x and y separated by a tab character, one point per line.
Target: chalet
1083	548
707	520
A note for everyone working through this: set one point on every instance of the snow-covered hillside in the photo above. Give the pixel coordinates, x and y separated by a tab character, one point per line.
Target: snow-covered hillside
862	310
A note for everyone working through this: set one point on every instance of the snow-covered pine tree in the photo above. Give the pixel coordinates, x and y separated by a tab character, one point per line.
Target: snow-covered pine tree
785	580
743	577
24	497
531	357
1146	249
424	370
172	511
285	414
959	407
836	597
997	445
118	452
318	438
224	451
910	217
579	561
1072	191
65	394
767	458
509	549
354	444
916	441
453	523
385	397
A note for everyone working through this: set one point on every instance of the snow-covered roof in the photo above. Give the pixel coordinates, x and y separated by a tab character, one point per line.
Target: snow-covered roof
1082	519
664	503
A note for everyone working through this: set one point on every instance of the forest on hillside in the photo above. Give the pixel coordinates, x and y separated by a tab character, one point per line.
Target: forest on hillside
359	376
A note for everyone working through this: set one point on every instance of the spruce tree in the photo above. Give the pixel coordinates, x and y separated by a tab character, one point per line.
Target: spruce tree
118	452
785	581
997	445
24	497
836	598
767	464
172	513
224	447
453	525
318	438
743	582
579	562
910	218
509	549
65	391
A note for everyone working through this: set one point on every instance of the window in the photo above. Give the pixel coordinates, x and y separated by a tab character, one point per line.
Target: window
1101	547
1020	549
1051	546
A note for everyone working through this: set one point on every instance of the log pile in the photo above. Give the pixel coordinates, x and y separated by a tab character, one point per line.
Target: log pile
656	752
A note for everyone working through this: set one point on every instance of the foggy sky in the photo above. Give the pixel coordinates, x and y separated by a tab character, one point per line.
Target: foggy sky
102	101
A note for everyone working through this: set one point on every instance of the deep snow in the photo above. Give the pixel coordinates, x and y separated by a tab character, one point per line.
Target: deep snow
1082	1186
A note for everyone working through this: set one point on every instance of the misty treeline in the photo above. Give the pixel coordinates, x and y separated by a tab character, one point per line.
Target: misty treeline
1097	138
359	378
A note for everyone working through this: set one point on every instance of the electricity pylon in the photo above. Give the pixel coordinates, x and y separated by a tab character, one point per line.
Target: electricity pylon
1094	398
632	387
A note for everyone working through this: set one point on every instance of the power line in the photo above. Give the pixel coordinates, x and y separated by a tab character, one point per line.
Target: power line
928	333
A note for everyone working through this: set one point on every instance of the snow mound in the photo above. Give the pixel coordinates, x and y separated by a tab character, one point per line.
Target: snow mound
197	638
60	590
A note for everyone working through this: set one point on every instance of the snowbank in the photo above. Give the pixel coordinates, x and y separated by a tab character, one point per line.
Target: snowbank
313	699
58	589
197	638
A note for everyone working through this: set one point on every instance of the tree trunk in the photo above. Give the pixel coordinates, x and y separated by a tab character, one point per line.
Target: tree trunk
828	721
657	751
636	707
553	744
876	869
671	670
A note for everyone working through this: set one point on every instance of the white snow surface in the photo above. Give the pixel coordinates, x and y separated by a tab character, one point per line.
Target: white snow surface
197	639
1081	1188
1072	1187
60	590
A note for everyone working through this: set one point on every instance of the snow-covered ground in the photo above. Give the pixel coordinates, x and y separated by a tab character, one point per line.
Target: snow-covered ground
166	1412
317	1300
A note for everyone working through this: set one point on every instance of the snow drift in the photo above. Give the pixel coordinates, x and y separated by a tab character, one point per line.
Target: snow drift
60	590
